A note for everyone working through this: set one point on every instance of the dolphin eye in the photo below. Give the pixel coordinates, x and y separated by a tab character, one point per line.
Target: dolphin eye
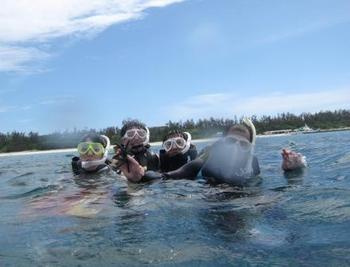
245	145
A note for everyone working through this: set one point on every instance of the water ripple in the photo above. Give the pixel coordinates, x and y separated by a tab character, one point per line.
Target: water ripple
36	192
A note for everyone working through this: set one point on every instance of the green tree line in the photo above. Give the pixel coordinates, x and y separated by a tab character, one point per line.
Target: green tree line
202	128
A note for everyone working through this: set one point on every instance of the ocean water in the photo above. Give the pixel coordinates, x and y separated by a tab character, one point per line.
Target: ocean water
48	217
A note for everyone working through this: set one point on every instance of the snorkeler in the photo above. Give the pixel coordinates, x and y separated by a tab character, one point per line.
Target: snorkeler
177	150
229	160
134	147
93	152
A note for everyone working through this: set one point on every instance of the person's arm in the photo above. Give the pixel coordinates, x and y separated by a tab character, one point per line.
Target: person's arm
151	176
292	160
193	152
189	170
192	168
162	161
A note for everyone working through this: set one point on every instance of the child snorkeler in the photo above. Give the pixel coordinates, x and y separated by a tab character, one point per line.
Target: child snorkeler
93	153
135	147
229	160
177	151
146	165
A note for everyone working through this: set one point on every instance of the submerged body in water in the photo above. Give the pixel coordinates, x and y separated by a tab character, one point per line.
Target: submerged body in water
182	222
230	160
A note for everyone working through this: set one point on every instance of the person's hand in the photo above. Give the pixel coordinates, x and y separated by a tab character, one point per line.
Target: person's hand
292	160
132	170
117	151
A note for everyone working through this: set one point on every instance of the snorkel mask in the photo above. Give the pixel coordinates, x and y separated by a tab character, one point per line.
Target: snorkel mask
94	149
90	148
178	142
141	133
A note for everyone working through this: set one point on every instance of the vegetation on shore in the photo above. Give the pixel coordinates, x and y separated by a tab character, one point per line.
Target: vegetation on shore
202	128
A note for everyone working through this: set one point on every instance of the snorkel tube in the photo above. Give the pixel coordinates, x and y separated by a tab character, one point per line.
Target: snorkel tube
108	144
146	142
188	143
93	164
251	128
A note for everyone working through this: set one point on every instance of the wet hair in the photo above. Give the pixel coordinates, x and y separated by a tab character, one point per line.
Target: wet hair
95	138
131	124
175	133
239	128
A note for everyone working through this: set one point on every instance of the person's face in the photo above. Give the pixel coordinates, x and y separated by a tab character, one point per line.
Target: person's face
90	151
177	145
90	157
135	136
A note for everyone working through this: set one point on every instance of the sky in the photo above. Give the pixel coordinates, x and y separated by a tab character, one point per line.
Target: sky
68	64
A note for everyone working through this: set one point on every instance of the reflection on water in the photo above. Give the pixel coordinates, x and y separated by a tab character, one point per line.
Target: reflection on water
50	218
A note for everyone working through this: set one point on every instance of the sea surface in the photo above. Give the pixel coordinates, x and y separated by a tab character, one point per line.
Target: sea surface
48	217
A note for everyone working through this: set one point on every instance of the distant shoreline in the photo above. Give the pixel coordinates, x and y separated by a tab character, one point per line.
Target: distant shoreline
66	150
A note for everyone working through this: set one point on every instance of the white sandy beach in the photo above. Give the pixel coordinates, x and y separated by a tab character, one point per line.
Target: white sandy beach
24	153
73	150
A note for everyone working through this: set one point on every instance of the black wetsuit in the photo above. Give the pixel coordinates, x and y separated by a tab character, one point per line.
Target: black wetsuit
147	159
168	164
191	169
165	163
150	161
78	169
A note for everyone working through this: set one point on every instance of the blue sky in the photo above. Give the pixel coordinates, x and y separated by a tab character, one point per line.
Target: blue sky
76	63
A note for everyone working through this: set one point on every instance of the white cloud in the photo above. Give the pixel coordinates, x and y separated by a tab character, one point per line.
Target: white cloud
207	37
16	58
4	109
301	30
25	121
229	104
58	100
25	24
54	101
